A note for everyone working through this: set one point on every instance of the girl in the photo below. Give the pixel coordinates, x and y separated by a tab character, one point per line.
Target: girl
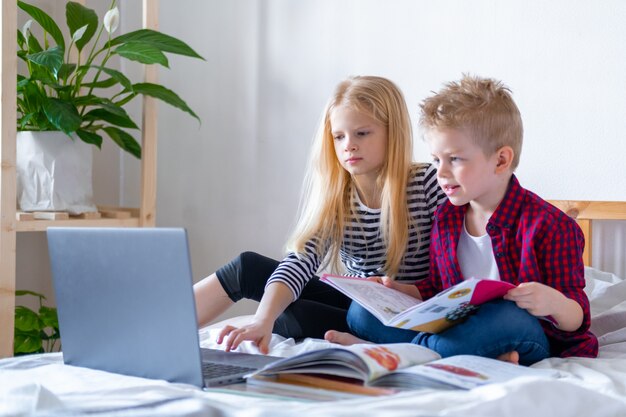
365	208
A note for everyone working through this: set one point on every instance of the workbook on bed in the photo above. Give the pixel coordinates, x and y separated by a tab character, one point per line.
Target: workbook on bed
381	369
397	309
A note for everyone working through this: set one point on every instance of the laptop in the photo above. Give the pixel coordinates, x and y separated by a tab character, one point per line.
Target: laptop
125	305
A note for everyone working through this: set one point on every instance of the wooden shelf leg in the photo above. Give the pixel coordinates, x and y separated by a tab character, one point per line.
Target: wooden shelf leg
8	29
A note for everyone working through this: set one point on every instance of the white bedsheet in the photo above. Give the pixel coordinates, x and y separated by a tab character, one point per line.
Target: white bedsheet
41	385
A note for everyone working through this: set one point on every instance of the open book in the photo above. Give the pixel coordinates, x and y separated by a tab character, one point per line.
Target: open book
397	309
395	366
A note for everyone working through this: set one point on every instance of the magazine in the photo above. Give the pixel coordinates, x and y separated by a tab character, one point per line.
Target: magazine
370	369
397	309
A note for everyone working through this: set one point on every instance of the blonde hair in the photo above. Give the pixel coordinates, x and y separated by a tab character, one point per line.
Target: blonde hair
483	107
326	199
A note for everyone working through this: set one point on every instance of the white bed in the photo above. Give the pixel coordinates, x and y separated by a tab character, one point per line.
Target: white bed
41	385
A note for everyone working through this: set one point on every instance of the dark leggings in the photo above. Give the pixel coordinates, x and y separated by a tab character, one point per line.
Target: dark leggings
318	309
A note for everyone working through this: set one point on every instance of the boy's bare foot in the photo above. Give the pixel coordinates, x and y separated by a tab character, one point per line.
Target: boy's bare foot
345	339
512	357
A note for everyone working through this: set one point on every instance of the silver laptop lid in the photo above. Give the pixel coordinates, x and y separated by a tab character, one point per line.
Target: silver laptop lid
125	301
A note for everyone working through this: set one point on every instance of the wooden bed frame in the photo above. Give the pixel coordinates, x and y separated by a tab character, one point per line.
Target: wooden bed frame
584	212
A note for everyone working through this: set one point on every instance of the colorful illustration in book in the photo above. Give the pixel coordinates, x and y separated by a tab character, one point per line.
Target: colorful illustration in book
462	311
385	358
460	293
457	370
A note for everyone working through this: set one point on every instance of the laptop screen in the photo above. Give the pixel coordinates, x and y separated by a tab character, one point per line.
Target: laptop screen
125	301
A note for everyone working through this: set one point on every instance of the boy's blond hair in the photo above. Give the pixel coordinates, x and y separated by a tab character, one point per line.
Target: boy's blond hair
326	201
482	107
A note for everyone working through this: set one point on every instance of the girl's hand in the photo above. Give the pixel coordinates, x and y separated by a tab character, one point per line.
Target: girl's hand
409	289
258	331
276	298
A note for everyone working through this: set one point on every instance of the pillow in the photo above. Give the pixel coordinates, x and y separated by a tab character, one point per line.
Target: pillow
604	289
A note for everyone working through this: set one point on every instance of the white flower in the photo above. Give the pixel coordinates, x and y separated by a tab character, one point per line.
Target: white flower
112	20
79	33
26	28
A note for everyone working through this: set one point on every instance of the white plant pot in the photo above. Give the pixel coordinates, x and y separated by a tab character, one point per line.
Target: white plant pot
54	173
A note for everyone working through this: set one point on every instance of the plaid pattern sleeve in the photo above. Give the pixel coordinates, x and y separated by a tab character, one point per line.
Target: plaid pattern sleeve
532	241
555	259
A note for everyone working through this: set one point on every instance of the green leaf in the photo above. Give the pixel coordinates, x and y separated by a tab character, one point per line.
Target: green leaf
126	99
33	44
52	59
48	316
24	121
41	74
62	115
19	293
22	55
32	95
78	16
159	40
63	91
142	52
87	100
109	82
26	319
113	118
21	40
124	141
21	82
106	103
45	21
90	137
112	107
121	78
26	342
66	70
164	94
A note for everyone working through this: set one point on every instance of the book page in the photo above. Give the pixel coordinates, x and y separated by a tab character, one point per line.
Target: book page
383	302
361	361
468	371
447	307
386	358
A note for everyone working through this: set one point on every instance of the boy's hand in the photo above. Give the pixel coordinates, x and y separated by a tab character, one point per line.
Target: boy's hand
541	300
409	289
538	299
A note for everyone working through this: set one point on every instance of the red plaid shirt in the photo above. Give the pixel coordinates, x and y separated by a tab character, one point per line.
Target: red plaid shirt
532	241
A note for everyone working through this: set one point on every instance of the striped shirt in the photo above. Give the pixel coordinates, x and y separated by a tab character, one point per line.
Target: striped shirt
362	251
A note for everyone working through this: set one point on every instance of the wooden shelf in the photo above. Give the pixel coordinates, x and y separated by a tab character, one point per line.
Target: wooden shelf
144	216
42	225
106	216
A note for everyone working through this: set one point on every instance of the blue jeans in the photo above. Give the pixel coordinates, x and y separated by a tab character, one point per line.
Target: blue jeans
496	328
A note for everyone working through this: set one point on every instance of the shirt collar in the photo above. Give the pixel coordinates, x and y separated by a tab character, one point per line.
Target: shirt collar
506	213
509	208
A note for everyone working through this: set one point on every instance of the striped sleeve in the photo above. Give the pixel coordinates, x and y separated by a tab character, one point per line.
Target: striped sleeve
296	270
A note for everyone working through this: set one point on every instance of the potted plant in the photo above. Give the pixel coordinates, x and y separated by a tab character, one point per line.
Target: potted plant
35	331
80	102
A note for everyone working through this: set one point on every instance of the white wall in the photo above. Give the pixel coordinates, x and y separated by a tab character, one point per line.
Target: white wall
234	180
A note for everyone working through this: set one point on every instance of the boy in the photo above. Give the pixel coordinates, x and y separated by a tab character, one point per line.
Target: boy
491	227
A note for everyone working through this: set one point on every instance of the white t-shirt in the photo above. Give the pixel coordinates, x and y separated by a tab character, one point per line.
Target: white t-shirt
475	255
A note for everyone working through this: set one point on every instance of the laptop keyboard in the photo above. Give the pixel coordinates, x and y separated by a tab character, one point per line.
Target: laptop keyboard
215	370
